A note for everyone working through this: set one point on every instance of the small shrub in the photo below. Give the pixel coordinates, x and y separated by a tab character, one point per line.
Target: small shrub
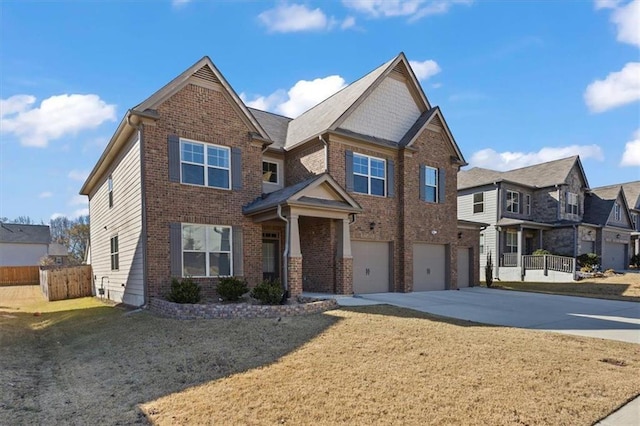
541	252
635	261
184	291
268	292
588	260
488	271
231	288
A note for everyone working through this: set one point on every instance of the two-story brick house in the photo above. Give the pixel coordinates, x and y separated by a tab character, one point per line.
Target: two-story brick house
544	206
358	194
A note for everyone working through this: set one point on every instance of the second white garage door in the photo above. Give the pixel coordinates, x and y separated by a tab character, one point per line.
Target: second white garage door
370	266
614	256
463	267
429	267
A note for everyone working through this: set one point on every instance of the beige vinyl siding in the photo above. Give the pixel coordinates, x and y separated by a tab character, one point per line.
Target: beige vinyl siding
490	214
124	219
388	113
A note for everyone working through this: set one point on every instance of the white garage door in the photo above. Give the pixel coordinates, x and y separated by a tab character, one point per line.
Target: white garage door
370	266
614	256
429	267
463	267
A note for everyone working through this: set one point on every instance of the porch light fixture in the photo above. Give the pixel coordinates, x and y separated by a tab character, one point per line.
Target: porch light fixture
617	236
372	226
459	235
589	233
434	232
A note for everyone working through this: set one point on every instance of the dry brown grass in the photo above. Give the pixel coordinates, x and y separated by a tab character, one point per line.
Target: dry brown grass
616	287
377	365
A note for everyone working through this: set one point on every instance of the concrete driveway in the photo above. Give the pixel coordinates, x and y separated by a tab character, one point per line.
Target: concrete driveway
606	319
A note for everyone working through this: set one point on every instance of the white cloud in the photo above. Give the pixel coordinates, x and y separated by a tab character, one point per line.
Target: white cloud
349	22
80	175
606	4
56	117
631	155
57	215
286	18
302	96
627	19
425	69
619	88
414	9
80	212
78	200
508	160
45	194
179	3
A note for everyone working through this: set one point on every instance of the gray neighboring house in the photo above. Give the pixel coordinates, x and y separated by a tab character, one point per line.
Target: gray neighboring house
632	195
25	245
608	218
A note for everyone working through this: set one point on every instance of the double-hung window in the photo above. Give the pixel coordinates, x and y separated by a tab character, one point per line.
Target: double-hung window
270	172
512	241
571	205
430	184
369	175
478	202
205	164
617	212
527	205
115	254
206	250
513	201
110	190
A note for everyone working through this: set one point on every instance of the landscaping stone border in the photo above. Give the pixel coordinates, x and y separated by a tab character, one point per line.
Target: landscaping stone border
185	311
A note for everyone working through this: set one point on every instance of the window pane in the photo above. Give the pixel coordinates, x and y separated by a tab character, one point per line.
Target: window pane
218	157
219	239
218	178
360	184
431	176
478	197
192	174
219	264
193	153
269	172
193	237
377	168
377	186
194	264
360	164
430	194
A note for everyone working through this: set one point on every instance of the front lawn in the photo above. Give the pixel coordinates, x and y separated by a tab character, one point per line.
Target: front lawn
379	364
616	287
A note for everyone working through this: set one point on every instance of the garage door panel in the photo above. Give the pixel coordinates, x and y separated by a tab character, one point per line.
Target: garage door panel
429	267
614	256
463	267
370	266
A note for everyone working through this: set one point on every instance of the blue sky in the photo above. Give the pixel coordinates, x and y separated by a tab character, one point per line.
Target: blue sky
518	82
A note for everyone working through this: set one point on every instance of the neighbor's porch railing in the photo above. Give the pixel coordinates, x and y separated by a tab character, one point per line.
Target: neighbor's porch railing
509	259
549	263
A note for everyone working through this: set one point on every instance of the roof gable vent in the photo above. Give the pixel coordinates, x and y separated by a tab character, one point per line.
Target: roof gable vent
205	73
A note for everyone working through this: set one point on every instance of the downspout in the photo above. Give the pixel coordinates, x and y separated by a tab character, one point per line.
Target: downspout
498	239
326	153
285	254
143	206
575	249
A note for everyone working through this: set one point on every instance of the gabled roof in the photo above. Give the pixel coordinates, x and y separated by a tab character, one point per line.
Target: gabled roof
300	193
632	194
599	202
275	125
536	176
329	114
25	234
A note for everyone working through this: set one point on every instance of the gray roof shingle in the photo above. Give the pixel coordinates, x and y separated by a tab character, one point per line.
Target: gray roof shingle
598	204
26	234
275	125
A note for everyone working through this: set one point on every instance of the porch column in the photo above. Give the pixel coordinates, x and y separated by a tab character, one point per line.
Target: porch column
344	259
519	259
540	239
637	246
294	262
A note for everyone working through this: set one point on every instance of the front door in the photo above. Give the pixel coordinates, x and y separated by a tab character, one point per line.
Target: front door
270	259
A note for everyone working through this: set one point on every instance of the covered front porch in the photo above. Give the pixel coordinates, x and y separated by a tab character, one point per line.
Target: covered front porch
306	242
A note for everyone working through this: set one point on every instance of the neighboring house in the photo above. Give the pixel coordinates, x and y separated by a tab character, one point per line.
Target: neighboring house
358	194
25	245
608	222
632	196
535	207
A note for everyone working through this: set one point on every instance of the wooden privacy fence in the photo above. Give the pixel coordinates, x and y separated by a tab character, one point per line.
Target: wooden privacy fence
19	275
66	283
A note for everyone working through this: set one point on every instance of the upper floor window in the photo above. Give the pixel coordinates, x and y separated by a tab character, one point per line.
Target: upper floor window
205	164
634	221
270	172
206	250
369	175
478	202
430	184
110	190
571	205
513	201
617	212
527	205
115	254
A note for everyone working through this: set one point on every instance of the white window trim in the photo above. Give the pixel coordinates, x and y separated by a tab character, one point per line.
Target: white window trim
205	165
513	204
477	203
369	177
617	212
114	253
436	186
279	172
571	203
110	190
207	252
527	204
507	245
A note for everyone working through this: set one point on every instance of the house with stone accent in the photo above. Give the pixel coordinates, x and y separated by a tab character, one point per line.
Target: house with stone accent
356	195
632	196
545	206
